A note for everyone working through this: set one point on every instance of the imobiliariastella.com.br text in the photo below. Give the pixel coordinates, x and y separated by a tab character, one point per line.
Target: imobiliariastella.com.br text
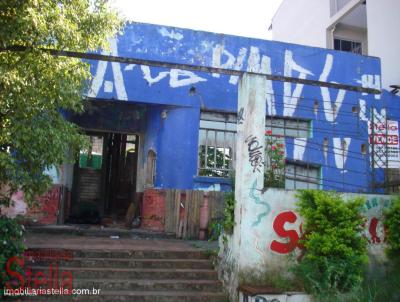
48	279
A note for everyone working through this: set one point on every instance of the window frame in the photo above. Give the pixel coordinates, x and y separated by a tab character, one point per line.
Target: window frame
218	117
342	39
231	118
305	179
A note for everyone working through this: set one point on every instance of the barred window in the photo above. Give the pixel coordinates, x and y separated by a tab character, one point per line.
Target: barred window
302	176
217	139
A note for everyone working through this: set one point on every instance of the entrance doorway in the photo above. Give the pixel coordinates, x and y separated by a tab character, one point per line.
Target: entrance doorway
105	177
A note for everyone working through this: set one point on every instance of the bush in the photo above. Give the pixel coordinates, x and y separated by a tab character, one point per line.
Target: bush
226	224
229	213
392	224
11	244
335	252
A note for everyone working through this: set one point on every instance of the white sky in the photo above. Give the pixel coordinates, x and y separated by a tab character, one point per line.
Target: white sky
250	18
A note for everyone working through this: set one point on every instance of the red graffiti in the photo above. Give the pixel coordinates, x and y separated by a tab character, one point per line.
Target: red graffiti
279	227
292	237
373	230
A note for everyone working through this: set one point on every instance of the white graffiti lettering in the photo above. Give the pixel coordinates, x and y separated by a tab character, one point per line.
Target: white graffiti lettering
291	99
189	78
371	81
170	34
341	148
331	112
299	148
147	75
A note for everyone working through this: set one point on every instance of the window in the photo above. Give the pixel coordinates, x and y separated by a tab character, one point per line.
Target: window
346	45
91	156
301	176
217	139
288	127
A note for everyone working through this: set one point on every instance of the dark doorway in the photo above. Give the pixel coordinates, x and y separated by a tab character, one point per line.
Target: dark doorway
120	172
105	178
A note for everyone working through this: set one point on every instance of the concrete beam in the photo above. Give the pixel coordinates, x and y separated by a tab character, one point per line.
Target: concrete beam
346	10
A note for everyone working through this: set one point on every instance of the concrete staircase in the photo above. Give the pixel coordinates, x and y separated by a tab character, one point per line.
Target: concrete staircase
134	275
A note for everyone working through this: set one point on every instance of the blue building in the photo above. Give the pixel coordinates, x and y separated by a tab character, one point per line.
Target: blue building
174	128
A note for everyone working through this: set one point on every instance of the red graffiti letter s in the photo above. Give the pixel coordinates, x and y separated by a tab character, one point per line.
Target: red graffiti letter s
279	227
9	268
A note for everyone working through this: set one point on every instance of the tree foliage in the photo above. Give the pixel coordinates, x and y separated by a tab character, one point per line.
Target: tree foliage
36	87
392	223
335	252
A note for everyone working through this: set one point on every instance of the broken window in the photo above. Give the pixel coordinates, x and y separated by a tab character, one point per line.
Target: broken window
92	155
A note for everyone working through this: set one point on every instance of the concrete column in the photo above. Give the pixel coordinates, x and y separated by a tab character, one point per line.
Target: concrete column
250	158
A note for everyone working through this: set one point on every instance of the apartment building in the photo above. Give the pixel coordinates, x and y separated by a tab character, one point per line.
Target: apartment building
363	27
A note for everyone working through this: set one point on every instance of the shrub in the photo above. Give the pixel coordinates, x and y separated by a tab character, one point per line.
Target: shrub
229	212
274	174
392	224
335	252
11	244
226	224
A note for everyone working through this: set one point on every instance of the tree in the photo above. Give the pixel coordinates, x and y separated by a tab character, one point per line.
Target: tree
37	88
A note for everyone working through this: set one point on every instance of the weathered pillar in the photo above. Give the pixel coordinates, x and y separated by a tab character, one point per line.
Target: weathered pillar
250	159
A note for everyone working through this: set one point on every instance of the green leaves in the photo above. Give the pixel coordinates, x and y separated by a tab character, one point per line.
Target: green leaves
37	88
335	251
11	244
392	224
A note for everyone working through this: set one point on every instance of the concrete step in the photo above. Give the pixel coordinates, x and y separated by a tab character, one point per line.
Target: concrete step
149	285
97	231
127	254
131	273
126	263
140	296
138	285
123	270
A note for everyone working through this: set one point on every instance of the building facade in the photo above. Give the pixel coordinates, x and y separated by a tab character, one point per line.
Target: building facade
184	122
176	127
359	26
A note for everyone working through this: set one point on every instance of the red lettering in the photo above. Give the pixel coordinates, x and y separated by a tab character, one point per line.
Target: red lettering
373	230
28	275
10	265
66	281
40	279
279	227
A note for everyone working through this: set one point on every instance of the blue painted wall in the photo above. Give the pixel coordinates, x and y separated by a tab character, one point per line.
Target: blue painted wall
174	137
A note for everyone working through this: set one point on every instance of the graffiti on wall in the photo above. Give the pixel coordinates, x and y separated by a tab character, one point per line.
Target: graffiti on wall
257	200
256	153
255	63
332	107
289	235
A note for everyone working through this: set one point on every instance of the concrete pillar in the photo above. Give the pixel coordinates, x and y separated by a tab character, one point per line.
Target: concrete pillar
250	158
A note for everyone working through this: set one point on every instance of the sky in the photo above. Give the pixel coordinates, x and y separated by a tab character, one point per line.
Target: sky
250	18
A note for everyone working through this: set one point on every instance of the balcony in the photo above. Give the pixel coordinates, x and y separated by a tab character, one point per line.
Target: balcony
347	28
